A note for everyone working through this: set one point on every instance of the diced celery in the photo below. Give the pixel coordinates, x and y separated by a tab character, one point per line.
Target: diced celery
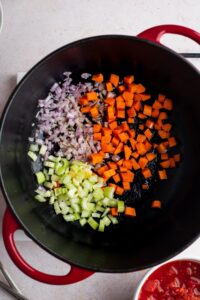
40	177
34	148
113	202
49	164
58	191
72	192
57	208
93	223
82	192
40	198
46	174
87	185
90	206
51	171
113	219
54	158
77	216
109	192
66	179
85	214
98	194
43	150
48	185
100	208
32	155
69	218
101	226
51	200
106	212
120	205
54	178
64	208
93	179
96	215
106	201
82	221
106	221
75	182
76	208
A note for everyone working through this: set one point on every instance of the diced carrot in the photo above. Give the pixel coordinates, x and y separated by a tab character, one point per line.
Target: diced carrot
163	115
147	110
151	156
106	139
147	145
127	176
120	105
165	164
135	154
145	186
132	87
156	204
112	165
149	124
119	190
140	88
131	112
127	96
143	162
129	79
161	98
168	104
121	88
91	96
135	165
167	127
132	133
109	173
114	211
133	143
120	162
97	127
85	109
155	113
112	185
137	106
142	116
145	97
177	157
126	185
164	156
114	79
172	142
141	138
96	158
172	163
124	126
116	178
123	137
108	148
97	77
106	131
163	134
161	148
148	133
162	174
131	120
97	136
83	101
123	169
137	97
127	152
166	144
94	112
157	105
127	164
119	148
117	131
115	141
110	101
141	127
130	211
121	114
102	169
141	148
155	146
111	113
109	86
129	103
113	125
146	173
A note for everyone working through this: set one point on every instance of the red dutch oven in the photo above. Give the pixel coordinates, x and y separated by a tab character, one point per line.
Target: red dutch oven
155	237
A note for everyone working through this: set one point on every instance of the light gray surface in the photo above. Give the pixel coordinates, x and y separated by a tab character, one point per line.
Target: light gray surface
31	30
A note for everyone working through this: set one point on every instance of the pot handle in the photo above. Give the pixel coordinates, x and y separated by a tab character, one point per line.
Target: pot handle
155	33
10	225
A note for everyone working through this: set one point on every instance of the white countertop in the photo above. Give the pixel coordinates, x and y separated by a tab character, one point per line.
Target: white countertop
31	30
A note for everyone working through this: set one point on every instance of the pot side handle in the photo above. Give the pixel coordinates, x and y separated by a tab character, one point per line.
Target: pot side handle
155	33
10	225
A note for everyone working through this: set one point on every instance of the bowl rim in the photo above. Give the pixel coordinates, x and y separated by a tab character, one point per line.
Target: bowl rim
152	270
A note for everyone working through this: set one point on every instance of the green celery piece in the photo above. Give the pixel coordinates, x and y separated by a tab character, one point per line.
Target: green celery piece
43	150
82	221
120	205
98	194
34	148
40	198
69	218
93	223
109	192
49	164
40	177
101	226
32	155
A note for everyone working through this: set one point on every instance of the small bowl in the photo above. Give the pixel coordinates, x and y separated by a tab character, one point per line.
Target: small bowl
151	271
1	17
